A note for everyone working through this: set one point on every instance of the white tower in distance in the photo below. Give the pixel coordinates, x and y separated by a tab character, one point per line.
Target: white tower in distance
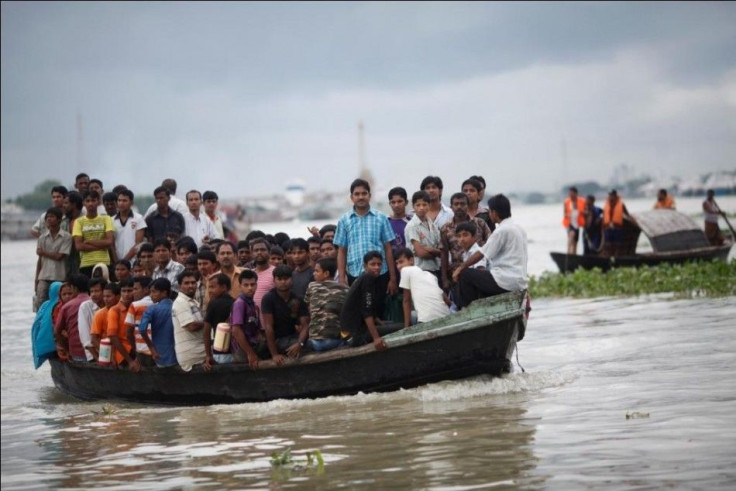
81	164
295	192
363	170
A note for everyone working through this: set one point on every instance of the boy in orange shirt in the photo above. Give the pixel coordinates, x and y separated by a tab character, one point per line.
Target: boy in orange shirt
116	329
98	329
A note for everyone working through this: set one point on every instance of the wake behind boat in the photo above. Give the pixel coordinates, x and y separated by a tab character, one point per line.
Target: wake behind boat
478	340
675	239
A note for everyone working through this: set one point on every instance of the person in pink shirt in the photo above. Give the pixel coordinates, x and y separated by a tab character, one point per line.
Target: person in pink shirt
259	252
68	320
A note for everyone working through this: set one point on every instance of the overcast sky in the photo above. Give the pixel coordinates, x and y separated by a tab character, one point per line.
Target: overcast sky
243	97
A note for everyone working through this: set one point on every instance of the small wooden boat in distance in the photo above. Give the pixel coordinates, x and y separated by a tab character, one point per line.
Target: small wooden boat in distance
478	340
675	238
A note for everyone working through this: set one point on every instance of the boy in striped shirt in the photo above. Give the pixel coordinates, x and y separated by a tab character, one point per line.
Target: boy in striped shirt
141	301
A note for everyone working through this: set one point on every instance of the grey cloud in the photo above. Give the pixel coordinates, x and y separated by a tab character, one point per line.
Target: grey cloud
283	84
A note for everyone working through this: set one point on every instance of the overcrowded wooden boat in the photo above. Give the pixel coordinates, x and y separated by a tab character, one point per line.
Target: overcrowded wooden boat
675	238
478	340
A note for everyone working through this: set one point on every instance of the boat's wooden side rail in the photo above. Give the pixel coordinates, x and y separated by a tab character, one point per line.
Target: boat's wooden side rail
483	312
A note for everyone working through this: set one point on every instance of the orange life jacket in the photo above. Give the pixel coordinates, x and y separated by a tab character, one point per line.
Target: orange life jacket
668	203
568	212
615	216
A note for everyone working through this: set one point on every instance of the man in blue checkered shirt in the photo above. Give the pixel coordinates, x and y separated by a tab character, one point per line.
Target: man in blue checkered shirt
359	231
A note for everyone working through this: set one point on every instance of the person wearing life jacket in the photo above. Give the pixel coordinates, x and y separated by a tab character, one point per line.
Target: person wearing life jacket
593	232
664	201
614	212
574	218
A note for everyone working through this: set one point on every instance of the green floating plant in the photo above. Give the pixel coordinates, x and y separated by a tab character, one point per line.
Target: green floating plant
710	279
105	411
316	455
285	459
282	458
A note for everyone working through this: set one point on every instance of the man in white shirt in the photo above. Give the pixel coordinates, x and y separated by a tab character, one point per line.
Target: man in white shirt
129	227
175	203
506	252
188	323
198	226
210	200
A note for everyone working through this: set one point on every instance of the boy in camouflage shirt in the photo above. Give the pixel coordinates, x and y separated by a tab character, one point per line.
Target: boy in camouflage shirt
325	298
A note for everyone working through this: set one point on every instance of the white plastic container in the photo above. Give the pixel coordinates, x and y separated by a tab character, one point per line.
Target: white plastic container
222	337
105	358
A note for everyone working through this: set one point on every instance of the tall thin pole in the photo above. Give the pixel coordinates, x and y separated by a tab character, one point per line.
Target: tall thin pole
361	148
563	145
80	144
363	170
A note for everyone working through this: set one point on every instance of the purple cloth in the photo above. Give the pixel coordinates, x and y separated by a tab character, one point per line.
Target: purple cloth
398	225
245	314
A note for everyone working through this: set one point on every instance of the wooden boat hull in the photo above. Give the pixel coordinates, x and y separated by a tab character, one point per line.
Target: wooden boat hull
568	263
479	340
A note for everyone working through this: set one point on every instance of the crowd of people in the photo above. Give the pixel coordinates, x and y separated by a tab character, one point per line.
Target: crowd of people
156	289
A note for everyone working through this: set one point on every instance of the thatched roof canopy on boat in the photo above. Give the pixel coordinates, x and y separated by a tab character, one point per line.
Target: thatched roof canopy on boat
670	230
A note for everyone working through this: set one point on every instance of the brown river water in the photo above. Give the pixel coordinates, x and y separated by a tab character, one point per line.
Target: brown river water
668	364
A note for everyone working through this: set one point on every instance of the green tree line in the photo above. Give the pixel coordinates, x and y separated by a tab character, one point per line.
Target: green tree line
40	198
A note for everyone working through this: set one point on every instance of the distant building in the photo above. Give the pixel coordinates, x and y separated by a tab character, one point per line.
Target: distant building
622	173
721	182
295	193
17	222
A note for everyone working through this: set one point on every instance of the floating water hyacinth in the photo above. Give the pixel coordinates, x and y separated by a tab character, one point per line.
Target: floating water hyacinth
284	466
285	458
105	411
316	455
709	279
282	458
